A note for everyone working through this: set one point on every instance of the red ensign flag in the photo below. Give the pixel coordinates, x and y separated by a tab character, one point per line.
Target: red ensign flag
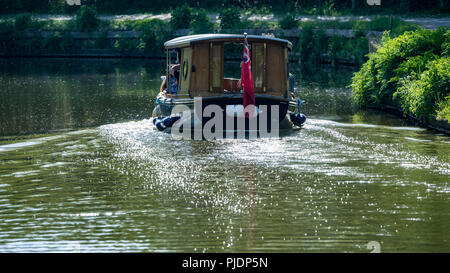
247	81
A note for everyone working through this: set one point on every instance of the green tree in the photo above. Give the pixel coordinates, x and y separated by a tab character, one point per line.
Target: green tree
289	21
201	23
86	18
181	17
230	18
305	46
24	21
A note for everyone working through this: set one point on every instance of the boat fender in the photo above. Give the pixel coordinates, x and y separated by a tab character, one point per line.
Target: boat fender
297	118
166	122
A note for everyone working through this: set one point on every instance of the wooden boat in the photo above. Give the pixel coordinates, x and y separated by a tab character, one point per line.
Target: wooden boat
201	61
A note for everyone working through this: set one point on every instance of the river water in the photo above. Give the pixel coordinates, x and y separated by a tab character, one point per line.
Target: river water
83	169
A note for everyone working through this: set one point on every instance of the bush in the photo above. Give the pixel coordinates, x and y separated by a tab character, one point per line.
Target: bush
411	70
381	23
86	19
24	21
288	22
181	17
443	112
28	46
230	18
67	42
53	42
320	45
102	41
125	46
328	8
421	97
335	46
313	44
155	33
201	23
446	44
378	73
360	49
305	47
413	66
252	9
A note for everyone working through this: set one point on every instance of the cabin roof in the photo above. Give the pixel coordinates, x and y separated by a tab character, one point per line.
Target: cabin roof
185	41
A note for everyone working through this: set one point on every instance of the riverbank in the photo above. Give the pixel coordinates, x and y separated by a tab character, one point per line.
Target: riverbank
138	44
409	74
88	34
431	124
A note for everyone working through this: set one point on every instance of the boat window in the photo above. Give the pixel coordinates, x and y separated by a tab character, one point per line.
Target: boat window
258	66
173	58
233	57
216	67
185	70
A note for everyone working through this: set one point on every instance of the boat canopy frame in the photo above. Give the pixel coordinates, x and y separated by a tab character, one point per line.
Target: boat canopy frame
186	41
202	64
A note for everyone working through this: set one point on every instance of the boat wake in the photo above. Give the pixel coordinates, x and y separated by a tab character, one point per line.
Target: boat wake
201	169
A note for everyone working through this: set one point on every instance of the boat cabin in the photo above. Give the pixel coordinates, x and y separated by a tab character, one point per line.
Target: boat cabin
202	62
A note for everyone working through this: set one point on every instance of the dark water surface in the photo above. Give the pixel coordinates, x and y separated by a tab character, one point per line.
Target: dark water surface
83	169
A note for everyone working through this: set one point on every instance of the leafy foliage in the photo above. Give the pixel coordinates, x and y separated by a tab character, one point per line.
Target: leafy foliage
314	45
411	70
201	23
316	7
24	21
443	112
52	42
305	47
197	20
421	96
125	46
86	19
155	33
181	17
328	8
230	18
288	21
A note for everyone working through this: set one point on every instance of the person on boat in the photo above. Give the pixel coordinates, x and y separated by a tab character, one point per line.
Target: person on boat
292	85
174	78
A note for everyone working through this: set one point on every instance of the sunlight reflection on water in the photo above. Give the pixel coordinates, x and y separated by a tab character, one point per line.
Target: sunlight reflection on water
347	178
